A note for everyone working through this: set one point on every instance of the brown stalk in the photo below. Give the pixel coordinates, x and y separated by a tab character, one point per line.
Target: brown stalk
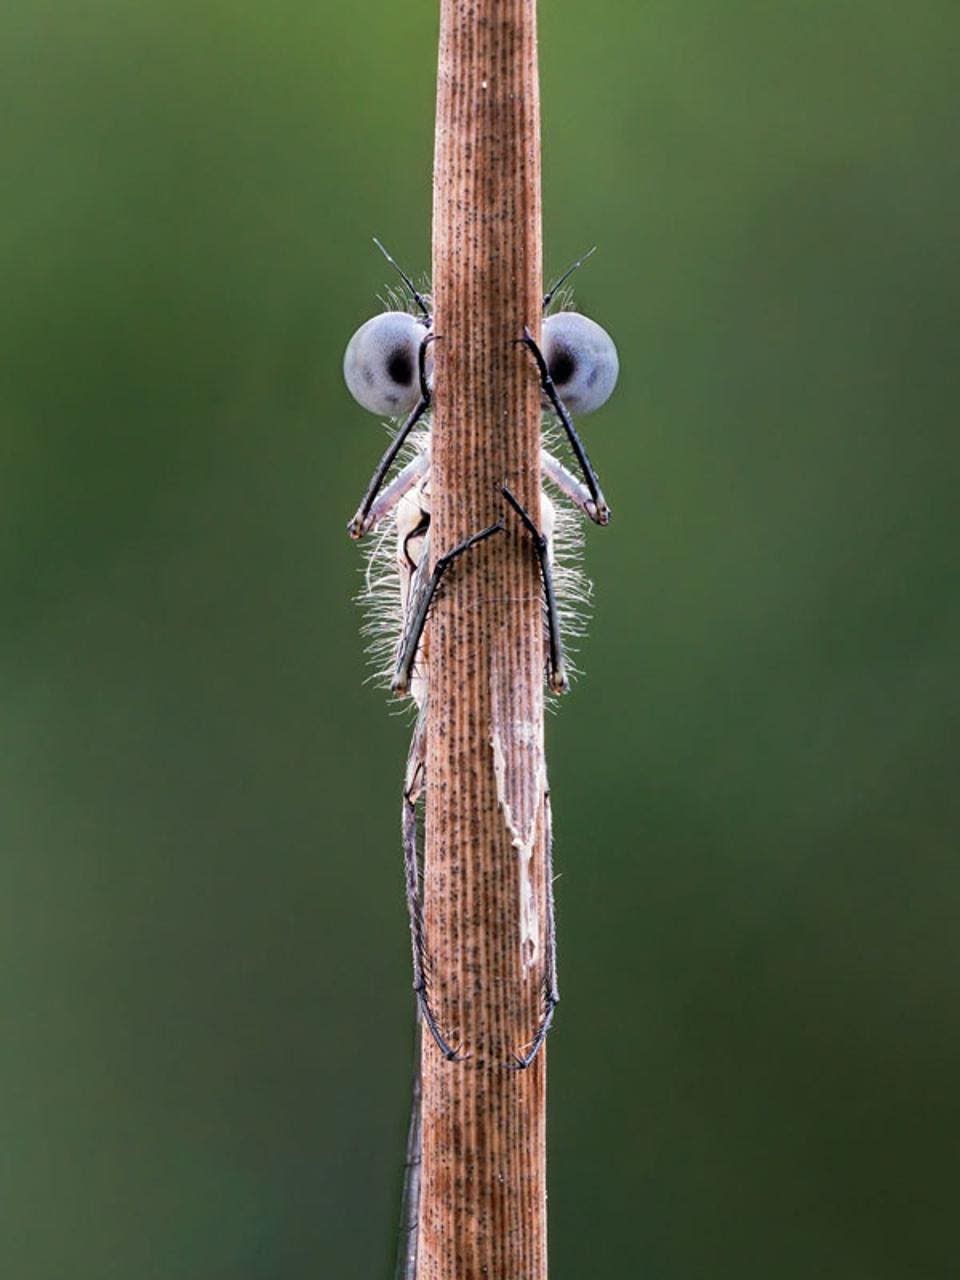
483	1194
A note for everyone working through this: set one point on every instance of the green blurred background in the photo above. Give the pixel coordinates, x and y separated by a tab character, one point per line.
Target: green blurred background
205	968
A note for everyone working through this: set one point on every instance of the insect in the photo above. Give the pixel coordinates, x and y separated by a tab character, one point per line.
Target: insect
388	368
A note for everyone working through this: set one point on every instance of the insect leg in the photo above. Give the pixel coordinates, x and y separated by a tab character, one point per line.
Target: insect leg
359	524
551	991
414	783
400	485
597	510
566	482
556	672
417	618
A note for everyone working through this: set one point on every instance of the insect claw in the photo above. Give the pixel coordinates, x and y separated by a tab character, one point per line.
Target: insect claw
448	1052
599	513
520	1061
558	681
551	999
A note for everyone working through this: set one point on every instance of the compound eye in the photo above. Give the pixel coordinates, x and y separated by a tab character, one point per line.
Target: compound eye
380	365
582	360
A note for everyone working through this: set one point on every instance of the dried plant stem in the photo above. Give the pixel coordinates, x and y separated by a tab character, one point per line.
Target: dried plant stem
483	1197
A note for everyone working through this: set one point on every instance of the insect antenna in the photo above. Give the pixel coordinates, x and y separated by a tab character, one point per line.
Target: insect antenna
549	295
417	296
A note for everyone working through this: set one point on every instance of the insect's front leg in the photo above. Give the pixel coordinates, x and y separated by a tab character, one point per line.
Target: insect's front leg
597	508
360	523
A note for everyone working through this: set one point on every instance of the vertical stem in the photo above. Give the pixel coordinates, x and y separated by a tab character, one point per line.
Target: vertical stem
483	1205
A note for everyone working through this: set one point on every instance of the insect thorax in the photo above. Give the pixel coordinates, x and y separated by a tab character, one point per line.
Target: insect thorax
394	554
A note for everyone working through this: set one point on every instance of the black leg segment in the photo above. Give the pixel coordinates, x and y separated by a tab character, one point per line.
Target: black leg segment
417	618
598	511
556	670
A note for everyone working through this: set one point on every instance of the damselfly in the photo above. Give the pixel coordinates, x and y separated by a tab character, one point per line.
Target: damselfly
388	369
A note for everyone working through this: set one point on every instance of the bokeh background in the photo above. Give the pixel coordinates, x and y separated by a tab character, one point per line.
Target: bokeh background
205	1039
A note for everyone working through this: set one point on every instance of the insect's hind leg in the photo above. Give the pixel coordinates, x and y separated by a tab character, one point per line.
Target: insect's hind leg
417	616
414	783
551	990
556	673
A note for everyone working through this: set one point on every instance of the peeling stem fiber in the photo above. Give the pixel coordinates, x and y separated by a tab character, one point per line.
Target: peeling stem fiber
483	1196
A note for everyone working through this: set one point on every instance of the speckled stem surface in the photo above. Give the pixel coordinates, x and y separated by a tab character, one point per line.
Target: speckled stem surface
483	1206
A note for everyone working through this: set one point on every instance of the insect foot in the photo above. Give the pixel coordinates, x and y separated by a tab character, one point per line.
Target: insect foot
522	1061
449	1053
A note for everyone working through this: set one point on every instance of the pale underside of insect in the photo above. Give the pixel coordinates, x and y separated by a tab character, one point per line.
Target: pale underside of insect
388	370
